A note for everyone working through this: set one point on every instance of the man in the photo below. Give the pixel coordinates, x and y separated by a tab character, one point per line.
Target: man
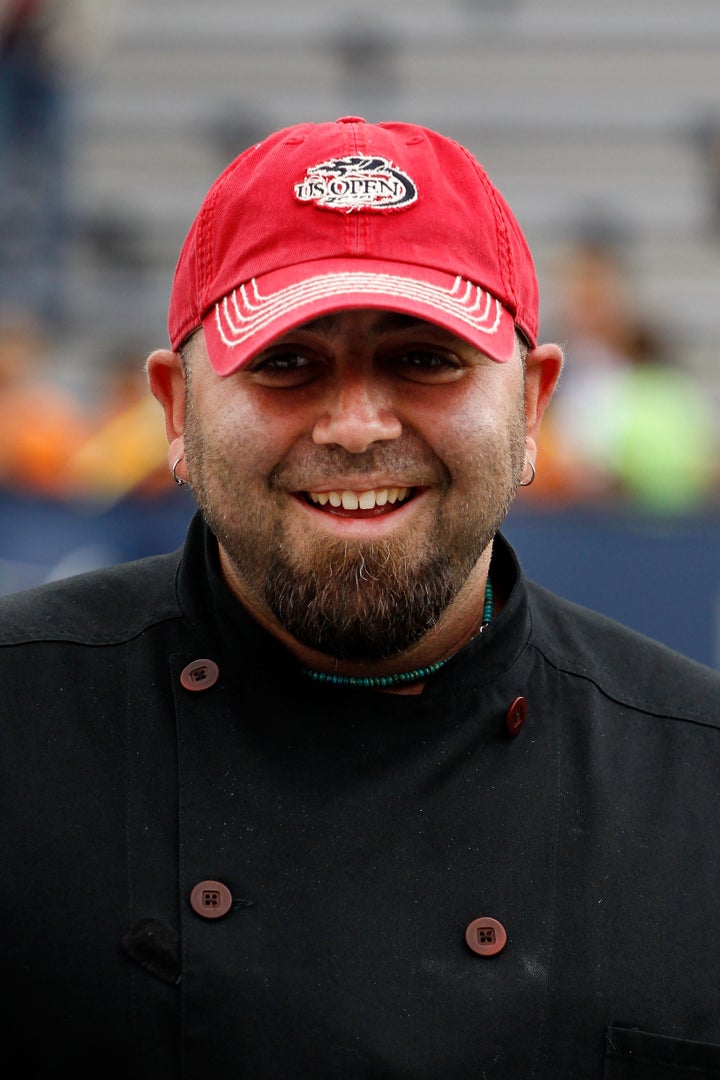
336	792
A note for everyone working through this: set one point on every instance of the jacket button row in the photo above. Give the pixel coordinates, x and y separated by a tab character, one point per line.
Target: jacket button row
200	675
211	900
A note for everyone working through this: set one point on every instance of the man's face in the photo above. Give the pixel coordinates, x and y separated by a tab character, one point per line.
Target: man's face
354	474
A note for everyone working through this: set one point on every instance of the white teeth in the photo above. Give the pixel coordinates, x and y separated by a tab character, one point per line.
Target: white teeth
363	500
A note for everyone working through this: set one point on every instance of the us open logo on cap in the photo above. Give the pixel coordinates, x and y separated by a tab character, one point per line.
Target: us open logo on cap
357	183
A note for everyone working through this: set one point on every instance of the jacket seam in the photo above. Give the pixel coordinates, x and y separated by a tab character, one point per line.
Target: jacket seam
652	709
71	639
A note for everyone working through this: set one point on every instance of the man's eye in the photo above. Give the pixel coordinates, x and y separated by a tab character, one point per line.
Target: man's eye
426	364
287	368
424	358
284	361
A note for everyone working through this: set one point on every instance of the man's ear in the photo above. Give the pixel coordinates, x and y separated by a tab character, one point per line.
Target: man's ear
542	371
167	382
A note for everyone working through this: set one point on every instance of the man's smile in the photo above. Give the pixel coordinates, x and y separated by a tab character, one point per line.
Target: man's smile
372	499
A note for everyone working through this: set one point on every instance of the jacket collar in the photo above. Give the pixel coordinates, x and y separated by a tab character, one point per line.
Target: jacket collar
232	632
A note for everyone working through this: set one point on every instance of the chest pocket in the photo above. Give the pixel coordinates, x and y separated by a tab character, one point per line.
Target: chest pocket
632	1054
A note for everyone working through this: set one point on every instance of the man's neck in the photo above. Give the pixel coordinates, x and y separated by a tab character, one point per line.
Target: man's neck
459	624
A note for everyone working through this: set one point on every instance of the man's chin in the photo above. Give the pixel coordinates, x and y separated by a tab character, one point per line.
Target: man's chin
363	613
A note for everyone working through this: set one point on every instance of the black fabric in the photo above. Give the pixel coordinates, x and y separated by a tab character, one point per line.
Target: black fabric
640	1055
359	834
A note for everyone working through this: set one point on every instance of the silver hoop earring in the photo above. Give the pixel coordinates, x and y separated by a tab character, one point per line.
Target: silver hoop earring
178	479
527	483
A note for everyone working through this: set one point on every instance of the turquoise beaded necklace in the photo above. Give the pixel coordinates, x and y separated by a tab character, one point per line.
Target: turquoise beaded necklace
403	678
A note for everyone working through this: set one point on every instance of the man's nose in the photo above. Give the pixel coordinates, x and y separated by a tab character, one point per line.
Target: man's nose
358	413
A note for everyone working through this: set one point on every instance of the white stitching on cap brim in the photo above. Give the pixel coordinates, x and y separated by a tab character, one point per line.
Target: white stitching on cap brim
248	318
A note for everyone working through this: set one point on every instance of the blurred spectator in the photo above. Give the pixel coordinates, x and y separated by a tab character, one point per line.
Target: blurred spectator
98	450
41	424
628	421
707	136
125	451
45	48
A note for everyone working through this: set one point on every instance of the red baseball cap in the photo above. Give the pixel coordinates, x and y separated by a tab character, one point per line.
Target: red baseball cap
322	217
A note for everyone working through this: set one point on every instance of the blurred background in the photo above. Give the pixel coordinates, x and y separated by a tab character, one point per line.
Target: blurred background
599	122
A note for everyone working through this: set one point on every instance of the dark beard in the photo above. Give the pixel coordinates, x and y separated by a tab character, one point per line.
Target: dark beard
364	603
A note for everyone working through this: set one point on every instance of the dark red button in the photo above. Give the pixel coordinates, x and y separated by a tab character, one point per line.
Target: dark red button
351	120
200	675
211	899
486	937
516	715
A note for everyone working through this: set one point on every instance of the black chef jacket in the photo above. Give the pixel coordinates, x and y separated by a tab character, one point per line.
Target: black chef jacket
214	868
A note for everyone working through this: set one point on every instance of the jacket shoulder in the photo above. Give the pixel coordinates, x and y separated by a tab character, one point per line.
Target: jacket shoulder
624	665
96	608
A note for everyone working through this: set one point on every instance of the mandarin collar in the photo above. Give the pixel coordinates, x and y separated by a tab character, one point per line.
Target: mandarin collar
231	632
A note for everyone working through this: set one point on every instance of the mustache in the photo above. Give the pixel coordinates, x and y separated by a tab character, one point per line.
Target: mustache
412	460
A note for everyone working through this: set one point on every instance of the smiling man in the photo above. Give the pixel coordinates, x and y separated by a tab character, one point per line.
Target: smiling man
335	792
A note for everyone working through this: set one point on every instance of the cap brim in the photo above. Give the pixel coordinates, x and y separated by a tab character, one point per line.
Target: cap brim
253	315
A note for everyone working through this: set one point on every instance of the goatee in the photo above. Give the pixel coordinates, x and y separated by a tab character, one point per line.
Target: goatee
363	602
